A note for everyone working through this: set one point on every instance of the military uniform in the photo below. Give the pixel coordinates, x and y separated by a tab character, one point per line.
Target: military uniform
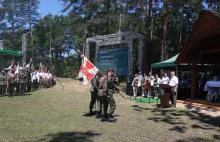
28	75
11	82
22	80
94	92
2	84
116	82
108	87
100	100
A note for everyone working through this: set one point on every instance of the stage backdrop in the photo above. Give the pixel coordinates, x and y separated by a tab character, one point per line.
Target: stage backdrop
116	58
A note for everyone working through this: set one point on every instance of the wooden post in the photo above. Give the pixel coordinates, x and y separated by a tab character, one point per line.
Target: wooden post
194	80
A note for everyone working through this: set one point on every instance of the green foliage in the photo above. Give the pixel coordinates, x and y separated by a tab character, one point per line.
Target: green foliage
66	33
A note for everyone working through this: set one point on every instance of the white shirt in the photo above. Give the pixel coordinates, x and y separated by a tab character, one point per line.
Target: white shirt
173	81
165	80
50	76
40	74
158	81
45	75
137	82
35	76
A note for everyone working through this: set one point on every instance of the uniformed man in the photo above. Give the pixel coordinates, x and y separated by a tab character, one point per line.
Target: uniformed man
94	92
116	82
2	82
100	101
11	81
22	80
108	87
28	74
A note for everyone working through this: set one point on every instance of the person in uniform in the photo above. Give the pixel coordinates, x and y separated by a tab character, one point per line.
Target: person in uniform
100	101
2	83
35	79
108	87
116	82
94	92
28	74
11	81
22	80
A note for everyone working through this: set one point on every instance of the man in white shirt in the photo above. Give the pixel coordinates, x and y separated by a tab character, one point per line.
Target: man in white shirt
174	84
135	84
35	79
151	78
157	82
40	78
50	77
45	79
165	79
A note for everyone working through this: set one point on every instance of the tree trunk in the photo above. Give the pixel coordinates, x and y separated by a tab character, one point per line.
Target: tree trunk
30	26
148	16
13	33
164	51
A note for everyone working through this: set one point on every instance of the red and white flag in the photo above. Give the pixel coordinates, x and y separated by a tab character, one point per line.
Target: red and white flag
87	71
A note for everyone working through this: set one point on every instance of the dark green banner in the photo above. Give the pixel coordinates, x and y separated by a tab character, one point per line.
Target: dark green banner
116	58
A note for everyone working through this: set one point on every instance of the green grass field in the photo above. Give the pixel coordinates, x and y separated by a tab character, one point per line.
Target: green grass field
58	115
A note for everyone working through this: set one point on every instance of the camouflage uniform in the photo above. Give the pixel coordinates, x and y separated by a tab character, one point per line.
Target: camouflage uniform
94	92
22	80
108	99
11	82
2	84
116	82
100	96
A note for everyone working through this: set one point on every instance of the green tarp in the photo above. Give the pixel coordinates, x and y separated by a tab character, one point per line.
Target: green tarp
165	64
10	53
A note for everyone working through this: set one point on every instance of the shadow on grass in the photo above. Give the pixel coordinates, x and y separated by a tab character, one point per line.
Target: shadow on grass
71	137
177	120
196	139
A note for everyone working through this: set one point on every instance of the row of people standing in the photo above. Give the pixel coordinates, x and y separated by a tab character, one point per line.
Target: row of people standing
23	80
148	86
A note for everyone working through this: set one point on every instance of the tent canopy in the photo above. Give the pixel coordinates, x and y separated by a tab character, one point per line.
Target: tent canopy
166	63
5	53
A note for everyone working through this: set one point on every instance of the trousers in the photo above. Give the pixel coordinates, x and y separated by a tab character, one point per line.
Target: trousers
93	100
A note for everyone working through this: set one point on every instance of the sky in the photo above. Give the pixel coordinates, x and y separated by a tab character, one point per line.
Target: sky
50	6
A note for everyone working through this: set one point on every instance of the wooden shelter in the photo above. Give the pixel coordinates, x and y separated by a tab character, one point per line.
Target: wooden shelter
202	45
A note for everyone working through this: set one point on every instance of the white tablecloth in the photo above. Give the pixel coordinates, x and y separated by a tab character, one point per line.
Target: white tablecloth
211	85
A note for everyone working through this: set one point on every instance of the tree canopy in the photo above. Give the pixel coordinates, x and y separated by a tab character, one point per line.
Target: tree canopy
166	23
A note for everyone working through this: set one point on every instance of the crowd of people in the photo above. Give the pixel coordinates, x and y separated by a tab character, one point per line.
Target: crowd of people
148	86
102	89
17	80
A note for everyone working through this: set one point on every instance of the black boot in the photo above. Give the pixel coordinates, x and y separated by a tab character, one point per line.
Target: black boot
104	118
110	118
98	114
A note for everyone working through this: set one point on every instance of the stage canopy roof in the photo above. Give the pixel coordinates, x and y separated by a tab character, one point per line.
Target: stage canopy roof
203	43
10	53
166	63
